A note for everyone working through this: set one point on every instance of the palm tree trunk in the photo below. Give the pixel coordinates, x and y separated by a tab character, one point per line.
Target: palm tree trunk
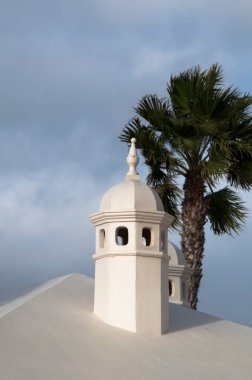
193	233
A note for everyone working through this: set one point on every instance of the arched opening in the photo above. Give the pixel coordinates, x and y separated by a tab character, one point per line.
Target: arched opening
170	287
102	238
146	237
122	236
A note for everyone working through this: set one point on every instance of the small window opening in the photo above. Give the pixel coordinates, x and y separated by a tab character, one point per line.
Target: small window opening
170	287
183	290
162	241
102	238
146	237
122	236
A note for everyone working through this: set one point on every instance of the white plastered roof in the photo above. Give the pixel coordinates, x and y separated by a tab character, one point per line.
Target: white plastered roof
56	335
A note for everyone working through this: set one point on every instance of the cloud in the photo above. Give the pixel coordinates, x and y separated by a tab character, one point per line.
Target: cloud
44	226
149	62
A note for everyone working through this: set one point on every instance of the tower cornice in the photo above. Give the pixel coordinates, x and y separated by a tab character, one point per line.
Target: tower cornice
131	216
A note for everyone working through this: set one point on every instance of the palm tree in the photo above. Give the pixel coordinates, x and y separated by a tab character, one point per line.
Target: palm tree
201	134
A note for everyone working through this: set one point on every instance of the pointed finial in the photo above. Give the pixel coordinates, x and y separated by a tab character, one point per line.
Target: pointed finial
132	161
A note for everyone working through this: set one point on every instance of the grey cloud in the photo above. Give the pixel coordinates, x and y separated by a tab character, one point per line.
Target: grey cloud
44	228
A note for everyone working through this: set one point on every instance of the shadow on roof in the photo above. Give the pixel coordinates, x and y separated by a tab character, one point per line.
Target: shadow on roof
182	318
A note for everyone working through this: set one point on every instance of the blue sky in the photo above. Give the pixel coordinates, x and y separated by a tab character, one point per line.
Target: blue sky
71	73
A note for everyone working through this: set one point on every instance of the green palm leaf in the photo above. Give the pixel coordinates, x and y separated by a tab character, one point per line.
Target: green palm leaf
226	211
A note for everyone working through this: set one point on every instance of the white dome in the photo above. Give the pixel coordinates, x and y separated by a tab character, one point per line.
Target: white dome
131	195
176	255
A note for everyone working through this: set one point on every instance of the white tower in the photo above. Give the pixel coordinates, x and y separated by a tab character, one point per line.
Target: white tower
131	261
179	275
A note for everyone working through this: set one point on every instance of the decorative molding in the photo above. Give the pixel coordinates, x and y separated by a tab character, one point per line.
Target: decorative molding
130	216
154	254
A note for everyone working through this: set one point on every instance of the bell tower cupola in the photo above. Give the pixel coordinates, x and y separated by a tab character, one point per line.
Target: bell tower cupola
131	260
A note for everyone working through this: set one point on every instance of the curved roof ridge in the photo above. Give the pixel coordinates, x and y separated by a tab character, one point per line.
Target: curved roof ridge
19	301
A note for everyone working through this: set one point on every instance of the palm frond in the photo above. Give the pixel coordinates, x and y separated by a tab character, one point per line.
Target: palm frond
213	77
239	173
225	211
133	129
169	193
154	110
214	168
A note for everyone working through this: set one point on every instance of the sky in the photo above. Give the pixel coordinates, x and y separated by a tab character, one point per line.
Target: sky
71	73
